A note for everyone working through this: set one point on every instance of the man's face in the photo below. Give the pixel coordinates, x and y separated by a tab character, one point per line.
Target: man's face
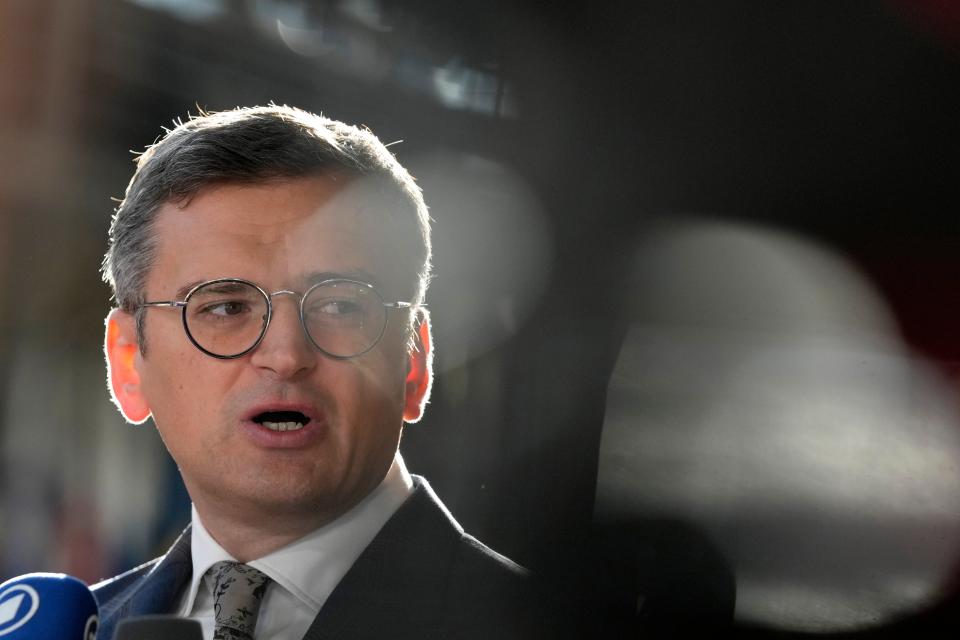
281	235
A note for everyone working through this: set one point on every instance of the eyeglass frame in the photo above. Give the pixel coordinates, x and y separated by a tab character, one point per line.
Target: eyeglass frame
182	305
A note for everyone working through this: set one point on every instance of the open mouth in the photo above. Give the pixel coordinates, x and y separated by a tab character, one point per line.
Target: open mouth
281	420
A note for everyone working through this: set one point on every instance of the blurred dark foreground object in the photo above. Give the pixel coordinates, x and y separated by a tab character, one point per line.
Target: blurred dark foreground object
158	628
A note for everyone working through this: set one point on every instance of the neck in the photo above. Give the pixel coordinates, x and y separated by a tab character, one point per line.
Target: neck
249	530
248	539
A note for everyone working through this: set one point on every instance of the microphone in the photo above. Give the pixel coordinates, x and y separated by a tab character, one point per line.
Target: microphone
158	628
47	606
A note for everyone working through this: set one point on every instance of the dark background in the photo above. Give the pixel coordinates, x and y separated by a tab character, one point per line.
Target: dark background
837	121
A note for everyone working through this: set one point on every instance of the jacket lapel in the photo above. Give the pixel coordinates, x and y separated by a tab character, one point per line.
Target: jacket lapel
410	555
156	591
163	584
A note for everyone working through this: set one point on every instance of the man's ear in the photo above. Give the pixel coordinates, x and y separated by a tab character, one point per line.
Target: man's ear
419	369
122	349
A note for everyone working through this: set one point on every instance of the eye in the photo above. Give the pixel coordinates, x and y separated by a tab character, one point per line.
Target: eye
336	312
224	308
337	307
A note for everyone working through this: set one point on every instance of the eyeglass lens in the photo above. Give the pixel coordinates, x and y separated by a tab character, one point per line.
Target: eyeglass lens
343	319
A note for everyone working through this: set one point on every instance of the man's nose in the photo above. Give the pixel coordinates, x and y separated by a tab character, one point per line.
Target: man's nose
285	349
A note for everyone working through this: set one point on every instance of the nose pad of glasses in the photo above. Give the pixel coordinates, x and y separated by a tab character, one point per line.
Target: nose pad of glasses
297	300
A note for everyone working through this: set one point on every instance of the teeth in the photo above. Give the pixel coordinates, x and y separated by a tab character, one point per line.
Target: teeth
283	426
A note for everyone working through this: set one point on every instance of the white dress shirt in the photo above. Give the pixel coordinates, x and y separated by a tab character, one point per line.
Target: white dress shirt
305	572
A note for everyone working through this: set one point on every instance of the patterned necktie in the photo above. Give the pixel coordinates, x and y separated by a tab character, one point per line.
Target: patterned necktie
237	592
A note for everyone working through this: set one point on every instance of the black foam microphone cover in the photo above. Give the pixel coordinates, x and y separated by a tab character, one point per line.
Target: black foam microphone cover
158	628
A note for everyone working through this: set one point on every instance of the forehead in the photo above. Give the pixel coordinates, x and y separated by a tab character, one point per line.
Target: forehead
276	233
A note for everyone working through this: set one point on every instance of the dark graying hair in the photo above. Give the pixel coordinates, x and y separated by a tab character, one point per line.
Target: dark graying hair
250	145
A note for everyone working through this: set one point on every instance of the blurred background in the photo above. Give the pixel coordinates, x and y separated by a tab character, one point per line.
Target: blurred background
695	297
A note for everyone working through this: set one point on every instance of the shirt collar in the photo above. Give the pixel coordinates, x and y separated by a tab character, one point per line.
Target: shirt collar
311	567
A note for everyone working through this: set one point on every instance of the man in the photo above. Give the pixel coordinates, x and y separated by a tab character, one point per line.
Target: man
269	268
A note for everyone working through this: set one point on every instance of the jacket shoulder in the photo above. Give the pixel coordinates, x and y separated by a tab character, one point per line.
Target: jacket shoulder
475	557
118	587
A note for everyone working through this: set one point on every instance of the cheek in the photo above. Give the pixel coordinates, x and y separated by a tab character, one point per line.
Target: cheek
371	390
176	384
390	371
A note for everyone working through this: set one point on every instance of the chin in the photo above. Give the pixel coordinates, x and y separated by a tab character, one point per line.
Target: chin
297	499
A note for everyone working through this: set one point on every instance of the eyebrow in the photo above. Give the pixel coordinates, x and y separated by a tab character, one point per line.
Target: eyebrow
352	274
311	279
185	289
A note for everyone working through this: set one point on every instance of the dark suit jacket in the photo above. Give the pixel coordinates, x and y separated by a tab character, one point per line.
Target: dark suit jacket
421	577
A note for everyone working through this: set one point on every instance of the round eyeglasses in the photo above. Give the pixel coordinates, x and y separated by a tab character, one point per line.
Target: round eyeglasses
228	317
